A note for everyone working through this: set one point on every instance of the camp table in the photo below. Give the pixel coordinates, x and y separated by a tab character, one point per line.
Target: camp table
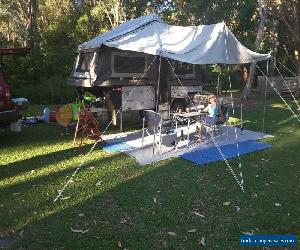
187	116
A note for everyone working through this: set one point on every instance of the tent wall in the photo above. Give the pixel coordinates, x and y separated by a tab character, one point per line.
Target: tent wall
164	81
104	69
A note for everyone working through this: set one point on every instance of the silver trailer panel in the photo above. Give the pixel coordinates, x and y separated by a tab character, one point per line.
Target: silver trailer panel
142	97
182	91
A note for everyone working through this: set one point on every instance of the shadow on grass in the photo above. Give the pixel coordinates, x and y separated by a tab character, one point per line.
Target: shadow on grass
45	133
39	134
41	161
62	172
138	210
33	198
159	208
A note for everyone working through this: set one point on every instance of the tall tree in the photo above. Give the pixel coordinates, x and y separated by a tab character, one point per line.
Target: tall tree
287	15
32	27
114	12
15	21
273	39
263	10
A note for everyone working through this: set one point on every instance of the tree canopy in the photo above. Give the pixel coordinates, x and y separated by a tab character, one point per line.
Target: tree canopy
54	29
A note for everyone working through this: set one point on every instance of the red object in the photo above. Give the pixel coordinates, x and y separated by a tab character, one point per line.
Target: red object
5	91
8	110
86	128
5	99
52	116
8	113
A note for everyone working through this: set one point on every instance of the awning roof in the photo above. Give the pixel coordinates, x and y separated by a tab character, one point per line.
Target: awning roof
204	44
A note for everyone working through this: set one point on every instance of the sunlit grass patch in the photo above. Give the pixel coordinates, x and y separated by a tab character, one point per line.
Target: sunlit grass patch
279	105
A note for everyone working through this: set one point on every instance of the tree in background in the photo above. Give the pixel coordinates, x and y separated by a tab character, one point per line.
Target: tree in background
287	14
263	11
61	25
14	22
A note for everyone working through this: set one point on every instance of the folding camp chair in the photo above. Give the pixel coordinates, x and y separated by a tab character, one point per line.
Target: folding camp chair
216	125
219	123
154	127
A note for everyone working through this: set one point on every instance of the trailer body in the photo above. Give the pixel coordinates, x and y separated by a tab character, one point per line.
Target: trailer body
114	74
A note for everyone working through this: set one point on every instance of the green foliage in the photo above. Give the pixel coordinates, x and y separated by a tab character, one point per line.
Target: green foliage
50	90
64	24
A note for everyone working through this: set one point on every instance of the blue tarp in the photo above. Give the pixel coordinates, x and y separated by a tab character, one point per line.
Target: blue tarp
204	156
117	147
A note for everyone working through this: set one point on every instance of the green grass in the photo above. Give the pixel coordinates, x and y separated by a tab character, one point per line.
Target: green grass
121	204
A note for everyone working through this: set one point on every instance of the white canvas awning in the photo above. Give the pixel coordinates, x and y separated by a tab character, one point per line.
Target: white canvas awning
204	44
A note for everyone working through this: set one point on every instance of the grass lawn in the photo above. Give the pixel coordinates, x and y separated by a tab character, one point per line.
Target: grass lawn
114	203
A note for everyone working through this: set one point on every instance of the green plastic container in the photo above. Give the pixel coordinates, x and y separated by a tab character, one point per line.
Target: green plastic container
75	109
89	97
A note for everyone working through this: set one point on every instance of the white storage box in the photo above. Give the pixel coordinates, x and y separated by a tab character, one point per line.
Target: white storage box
16	126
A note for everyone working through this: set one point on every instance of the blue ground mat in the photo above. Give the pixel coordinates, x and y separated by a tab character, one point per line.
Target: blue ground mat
116	147
205	156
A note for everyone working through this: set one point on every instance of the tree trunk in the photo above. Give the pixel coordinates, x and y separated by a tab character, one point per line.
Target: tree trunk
274	43
33	26
8	30
259	38
117	13
32	38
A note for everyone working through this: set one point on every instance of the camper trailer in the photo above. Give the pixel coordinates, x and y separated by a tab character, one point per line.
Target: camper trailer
129	79
114	62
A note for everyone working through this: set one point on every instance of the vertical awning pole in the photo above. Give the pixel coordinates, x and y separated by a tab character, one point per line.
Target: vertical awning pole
158	85
157	101
265	99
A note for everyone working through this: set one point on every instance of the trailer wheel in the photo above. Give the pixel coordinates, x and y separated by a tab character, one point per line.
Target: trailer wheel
178	104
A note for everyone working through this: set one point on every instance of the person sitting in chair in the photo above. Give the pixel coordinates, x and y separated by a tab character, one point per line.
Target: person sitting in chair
214	115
